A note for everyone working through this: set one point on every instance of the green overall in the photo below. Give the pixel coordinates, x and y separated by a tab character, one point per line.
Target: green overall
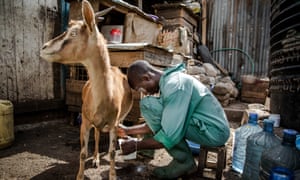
185	109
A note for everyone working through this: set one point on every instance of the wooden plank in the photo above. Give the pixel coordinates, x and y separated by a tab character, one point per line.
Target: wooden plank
204	22
19	38
26	50
179	22
74	86
124	7
46	26
23	31
8	85
138	29
254	93
172	37
74	92
73	99
252	100
158	56
175	10
74	108
154	55
125	58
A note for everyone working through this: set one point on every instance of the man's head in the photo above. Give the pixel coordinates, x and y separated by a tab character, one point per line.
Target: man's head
143	77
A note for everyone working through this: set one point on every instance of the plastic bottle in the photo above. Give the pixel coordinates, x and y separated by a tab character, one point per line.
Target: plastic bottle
240	142
286	155
256	144
115	36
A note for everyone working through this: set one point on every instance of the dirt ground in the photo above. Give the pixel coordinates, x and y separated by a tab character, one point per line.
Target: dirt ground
50	150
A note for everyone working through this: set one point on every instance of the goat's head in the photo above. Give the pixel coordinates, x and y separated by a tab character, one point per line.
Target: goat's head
77	42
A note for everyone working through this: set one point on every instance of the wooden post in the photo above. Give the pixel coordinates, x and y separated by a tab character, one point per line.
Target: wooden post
204	22
140	4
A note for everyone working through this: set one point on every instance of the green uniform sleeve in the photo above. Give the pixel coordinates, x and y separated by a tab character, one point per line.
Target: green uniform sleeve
174	118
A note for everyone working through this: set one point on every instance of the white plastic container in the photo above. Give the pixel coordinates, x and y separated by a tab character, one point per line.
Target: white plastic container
115	36
276	119
113	33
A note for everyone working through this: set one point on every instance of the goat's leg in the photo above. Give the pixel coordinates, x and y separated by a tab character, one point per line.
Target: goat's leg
112	153
96	160
84	140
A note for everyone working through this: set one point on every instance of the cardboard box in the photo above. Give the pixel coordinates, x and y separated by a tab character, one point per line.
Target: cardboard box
140	30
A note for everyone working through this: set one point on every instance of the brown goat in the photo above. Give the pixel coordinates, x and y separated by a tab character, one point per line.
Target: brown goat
107	97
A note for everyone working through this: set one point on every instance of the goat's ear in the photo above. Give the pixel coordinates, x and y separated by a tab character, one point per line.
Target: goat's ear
88	15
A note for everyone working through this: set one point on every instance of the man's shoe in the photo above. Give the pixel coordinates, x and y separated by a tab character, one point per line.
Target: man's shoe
175	169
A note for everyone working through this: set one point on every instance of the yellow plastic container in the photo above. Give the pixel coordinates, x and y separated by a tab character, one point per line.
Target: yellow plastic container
6	124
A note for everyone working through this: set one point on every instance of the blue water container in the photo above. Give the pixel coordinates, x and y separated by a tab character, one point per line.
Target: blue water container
286	155
240	142
281	173
256	144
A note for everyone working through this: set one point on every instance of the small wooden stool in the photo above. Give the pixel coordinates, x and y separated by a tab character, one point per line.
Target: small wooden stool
219	166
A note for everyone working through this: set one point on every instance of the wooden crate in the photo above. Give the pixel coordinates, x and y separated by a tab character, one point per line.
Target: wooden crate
254	92
176	38
139	29
178	20
176	13
122	55
73	94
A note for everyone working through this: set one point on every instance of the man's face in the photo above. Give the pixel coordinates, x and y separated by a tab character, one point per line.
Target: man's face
146	86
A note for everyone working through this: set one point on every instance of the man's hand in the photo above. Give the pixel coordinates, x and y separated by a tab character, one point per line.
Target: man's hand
121	131
128	147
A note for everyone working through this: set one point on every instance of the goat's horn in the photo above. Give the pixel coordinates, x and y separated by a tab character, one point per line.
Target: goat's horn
103	12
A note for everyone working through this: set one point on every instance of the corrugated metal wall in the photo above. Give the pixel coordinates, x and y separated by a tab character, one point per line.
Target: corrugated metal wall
243	25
